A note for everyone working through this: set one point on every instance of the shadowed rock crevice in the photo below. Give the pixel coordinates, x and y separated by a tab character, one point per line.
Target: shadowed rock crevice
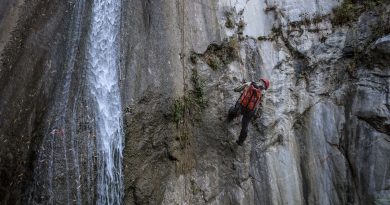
381	124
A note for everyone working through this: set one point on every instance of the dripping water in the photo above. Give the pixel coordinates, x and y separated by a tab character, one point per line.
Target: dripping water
58	157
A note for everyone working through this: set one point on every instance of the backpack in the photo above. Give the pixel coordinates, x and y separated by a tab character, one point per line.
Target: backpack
250	97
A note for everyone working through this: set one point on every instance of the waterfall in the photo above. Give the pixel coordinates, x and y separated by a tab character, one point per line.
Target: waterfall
80	157
103	80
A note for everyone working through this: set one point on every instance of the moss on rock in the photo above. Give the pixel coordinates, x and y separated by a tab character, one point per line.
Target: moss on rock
219	56
350	10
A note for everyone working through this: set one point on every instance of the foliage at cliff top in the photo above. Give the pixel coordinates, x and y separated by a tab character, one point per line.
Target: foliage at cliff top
349	10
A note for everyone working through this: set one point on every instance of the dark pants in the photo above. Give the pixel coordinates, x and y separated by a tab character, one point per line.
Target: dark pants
246	118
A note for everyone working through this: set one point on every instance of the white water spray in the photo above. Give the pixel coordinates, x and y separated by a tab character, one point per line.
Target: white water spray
103	59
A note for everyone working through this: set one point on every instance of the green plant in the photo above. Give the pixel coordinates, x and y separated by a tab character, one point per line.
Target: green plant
198	90
194	58
318	18
344	13
305	19
262	38
218	56
276	31
213	61
233	49
192	103
351	68
178	110
270	8
240	27
349	10
230	23
370	4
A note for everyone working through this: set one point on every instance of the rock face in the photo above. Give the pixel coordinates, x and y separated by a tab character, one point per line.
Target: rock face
322	136
312	143
33	50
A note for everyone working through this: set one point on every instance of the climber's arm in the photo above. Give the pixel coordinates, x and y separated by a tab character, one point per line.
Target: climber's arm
258	110
241	87
259	107
261	84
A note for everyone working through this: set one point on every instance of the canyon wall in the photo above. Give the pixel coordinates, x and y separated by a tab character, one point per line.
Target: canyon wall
321	136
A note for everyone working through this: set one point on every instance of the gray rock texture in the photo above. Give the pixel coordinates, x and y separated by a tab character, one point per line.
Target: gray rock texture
33	47
322	135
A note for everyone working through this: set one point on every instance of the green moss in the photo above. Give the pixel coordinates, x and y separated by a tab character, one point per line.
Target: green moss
192	103
262	38
233	50
317	18
344	13
178	110
194	58
241	25
230	23
198	90
276	31
350	10
214	62
352	67
370	4
218	56
305	19
270	8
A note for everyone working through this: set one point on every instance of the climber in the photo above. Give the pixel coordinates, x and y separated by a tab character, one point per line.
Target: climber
247	104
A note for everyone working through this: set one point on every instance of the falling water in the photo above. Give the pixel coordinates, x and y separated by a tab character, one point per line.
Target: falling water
103	59
80	157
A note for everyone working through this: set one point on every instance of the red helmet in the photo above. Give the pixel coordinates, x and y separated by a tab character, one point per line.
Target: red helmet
266	82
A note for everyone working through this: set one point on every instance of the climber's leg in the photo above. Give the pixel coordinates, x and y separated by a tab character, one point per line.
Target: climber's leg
233	112
247	116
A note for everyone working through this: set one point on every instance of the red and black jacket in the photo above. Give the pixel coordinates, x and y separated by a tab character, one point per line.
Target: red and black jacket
250	97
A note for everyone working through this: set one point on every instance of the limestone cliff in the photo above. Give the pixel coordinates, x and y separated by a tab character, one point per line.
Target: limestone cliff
322	136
